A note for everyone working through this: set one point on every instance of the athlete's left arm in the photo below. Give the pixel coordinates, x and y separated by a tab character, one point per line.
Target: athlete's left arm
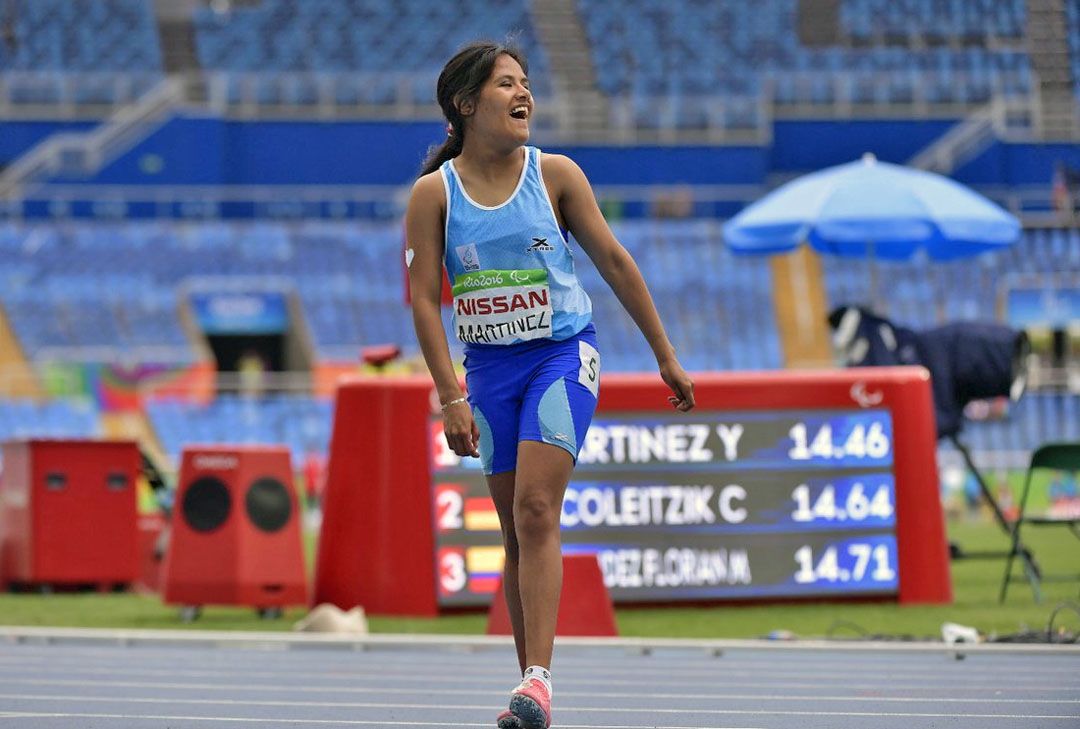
581	214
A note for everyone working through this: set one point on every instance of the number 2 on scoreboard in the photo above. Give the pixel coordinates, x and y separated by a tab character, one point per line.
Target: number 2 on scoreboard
449	508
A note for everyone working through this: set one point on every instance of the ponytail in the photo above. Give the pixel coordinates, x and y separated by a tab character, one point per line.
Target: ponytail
437	154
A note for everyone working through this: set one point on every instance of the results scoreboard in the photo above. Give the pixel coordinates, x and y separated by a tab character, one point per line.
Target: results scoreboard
705	505
777	485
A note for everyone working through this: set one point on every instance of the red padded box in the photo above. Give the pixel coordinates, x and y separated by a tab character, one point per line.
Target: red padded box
236	537
68	512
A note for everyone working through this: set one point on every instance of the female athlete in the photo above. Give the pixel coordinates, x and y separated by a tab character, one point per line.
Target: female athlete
495	213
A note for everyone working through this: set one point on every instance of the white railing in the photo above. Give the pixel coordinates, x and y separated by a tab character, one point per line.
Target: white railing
296	202
365	94
85	153
1033	204
196	202
959	144
70	94
927	94
157	354
254	384
713	120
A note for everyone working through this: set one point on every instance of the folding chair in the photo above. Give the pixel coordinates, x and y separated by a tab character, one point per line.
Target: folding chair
1059	456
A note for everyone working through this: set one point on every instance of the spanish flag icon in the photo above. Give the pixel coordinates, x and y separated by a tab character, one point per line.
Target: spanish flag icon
480	515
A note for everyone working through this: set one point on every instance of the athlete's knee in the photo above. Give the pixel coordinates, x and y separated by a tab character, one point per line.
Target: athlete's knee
536	514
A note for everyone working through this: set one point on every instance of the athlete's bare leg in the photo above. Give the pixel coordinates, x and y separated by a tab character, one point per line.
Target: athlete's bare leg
501	486
543	471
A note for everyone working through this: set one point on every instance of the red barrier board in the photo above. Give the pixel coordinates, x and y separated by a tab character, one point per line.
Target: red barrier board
67	512
780	484
585	607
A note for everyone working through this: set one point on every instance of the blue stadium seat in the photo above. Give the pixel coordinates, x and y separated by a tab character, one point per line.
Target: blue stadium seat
301	423
922	294
55	419
1072	23
359	36
89	35
98	285
718	45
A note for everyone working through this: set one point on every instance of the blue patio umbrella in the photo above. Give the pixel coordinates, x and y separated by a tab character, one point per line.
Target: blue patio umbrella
872	209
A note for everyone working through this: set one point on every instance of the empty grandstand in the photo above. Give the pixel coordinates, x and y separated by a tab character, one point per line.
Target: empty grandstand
152	152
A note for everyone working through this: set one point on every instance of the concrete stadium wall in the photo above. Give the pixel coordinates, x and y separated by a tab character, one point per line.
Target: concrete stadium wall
17	137
194	150
208	151
1018	164
807	145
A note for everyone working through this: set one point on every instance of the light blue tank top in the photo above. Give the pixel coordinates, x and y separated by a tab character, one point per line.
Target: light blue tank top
510	266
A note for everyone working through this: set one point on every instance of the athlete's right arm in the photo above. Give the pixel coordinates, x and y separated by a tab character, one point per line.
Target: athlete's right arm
423	257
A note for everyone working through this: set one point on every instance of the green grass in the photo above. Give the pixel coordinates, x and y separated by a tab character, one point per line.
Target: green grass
975	587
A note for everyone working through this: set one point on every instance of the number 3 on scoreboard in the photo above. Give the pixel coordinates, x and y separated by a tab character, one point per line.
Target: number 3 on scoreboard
452	574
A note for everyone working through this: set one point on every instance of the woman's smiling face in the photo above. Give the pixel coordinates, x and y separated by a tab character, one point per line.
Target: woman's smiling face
504	105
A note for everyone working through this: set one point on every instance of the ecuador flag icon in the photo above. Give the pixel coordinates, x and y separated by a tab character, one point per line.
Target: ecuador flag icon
484	565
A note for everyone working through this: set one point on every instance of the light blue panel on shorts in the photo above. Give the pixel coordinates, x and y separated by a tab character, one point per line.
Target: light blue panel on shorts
487	443
556	421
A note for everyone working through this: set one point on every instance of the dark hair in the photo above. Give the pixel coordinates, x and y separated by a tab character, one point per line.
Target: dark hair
460	81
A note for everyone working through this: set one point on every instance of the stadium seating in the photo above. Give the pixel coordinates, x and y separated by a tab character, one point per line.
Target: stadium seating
300	422
668	72
1038	418
97	285
85	35
403	44
1072	22
55	419
91	38
933	20
86	287
717	307
692	49
923	294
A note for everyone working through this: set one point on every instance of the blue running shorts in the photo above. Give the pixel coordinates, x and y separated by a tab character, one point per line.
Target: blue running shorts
540	390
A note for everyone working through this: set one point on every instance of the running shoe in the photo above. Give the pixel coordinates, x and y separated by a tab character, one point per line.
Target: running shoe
531	704
507	720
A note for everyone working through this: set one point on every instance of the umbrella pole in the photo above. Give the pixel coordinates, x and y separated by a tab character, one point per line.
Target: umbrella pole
871	258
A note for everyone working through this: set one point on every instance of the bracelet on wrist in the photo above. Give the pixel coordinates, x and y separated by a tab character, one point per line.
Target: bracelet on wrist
452	402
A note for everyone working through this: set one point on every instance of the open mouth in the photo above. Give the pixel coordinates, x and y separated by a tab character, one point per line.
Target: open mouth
520	112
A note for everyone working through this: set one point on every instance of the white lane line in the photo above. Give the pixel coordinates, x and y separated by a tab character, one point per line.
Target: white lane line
960	675
1047	663
749	680
910	661
957	675
427	642
574	694
562	708
269	687
339	722
598	658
